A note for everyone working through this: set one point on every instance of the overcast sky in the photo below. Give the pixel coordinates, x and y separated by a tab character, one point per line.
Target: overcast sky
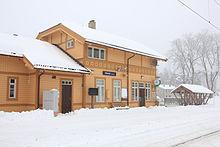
154	23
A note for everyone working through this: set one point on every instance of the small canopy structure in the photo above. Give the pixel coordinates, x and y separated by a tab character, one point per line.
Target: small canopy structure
189	94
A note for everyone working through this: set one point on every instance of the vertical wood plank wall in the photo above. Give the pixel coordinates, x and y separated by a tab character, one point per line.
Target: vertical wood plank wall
25	99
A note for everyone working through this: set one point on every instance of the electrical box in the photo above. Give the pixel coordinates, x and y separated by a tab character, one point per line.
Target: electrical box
51	100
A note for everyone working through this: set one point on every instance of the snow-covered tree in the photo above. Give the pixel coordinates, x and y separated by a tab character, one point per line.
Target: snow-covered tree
196	59
209	57
185	58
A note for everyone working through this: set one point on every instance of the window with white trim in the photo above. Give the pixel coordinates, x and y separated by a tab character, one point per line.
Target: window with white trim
148	87
12	88
97	53
70	44
134	91
100	84
117	90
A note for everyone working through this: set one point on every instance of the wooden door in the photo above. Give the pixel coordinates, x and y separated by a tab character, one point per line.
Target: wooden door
66	98
141	97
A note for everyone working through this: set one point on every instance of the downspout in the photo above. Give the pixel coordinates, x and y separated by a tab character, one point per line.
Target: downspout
128	78
83	91
38	89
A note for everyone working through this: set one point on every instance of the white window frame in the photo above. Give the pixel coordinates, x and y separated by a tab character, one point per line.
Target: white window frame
135	92
100	49
14	88
70	43
117	90
101	91
148	91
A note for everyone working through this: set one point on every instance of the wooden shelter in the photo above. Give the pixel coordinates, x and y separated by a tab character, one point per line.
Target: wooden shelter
188	94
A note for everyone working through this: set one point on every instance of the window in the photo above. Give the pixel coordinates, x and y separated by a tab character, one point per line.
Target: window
102	54
148	87
90	52
70	44
117	90
12	88
96	53
134	91
100	84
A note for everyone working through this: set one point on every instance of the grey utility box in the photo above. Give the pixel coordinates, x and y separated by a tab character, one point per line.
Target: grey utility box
51	100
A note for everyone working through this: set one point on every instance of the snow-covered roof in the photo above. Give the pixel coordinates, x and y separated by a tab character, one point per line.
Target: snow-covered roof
103	38
42	55
169	87
194	88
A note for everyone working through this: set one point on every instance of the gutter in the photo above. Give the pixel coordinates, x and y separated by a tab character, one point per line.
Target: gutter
127	49
128	78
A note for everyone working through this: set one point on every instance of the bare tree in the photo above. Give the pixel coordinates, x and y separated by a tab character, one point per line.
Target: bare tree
196	59
209	57
185	58
168	77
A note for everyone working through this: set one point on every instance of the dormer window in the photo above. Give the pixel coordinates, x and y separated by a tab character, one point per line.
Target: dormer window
70	44
97	53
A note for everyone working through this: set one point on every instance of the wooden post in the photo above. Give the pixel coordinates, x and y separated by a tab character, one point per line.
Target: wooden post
204	97
194	97
184	98
176	98
92	102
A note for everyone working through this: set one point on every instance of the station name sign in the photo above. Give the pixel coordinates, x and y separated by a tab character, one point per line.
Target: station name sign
108	73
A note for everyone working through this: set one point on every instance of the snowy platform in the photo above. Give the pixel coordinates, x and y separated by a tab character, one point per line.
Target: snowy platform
135	127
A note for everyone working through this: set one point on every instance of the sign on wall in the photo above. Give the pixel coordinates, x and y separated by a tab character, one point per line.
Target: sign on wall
124	95
108	73
93	91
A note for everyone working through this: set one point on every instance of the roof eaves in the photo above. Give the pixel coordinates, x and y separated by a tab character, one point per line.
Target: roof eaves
49	28
56	68
81	72
180	87
125	49
11	54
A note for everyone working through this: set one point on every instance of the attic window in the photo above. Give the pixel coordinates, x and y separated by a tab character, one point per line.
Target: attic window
70	44
97	53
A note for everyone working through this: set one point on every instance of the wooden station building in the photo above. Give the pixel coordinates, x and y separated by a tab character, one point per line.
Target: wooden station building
73	59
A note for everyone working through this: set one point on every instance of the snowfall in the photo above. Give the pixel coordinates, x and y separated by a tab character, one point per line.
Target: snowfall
135	127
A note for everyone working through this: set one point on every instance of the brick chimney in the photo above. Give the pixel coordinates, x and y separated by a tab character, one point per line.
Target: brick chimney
92	24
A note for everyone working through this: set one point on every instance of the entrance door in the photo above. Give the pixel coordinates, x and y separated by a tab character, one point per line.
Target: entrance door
66	96
141	97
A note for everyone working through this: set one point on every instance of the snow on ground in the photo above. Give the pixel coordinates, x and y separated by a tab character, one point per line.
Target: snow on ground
211	140
154	126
